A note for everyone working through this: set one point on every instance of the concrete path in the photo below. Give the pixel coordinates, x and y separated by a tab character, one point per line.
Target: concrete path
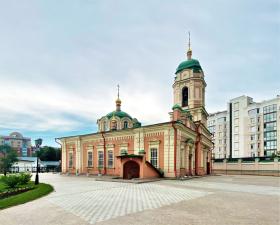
208	200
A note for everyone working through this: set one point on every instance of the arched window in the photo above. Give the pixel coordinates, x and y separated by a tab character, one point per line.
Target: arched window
114	125
125	124
185	96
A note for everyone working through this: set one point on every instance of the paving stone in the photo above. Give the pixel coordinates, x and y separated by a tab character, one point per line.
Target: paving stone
101	201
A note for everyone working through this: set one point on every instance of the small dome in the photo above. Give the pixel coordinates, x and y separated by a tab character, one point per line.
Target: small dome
119	114
189	64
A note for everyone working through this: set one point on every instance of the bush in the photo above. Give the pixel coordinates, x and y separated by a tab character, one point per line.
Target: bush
11	181
14	180
24	178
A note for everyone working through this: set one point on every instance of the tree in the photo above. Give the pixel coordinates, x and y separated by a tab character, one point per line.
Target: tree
47	153
8	157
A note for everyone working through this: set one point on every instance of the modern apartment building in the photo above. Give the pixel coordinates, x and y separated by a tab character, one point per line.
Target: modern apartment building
18	142
246	128
218	126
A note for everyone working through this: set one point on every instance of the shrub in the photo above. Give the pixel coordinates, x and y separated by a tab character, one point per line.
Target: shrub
11	181
14	180
24	178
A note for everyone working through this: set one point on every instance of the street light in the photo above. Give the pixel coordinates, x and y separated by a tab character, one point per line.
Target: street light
38	143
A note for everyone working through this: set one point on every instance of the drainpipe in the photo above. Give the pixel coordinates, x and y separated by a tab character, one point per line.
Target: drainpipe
198	139
175	148
104	156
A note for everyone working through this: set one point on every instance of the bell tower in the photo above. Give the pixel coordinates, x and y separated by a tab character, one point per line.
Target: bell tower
189	88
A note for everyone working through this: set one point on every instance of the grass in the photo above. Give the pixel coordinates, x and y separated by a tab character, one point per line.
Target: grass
39	191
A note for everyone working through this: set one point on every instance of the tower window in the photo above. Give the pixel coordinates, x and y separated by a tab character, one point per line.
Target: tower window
185	96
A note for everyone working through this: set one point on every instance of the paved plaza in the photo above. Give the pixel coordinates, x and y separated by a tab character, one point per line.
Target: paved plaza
206	200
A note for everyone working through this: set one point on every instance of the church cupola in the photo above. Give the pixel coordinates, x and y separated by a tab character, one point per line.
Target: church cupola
189	88
118	119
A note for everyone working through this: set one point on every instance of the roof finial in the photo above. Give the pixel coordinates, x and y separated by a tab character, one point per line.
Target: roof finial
189	52
189	40
118	101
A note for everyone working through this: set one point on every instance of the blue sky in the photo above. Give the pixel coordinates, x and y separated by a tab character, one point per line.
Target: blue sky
60	61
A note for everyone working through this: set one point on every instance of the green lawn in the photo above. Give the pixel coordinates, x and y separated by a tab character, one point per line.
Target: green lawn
39	191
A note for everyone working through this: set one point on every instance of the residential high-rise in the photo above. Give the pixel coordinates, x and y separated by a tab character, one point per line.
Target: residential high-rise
218	126
246	129
18	142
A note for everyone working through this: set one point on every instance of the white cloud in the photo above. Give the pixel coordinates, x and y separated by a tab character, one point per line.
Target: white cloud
59	66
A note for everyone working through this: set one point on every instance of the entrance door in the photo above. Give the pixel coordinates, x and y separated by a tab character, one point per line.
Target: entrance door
131	170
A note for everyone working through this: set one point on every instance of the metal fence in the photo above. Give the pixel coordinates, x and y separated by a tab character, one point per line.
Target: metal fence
17	169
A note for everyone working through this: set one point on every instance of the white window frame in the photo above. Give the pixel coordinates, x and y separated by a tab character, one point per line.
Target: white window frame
110	166
72	159
154	158
98	157
89	151
154	144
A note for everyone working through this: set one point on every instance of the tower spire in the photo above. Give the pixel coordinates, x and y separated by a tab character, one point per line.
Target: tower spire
189	40
189	52
118	101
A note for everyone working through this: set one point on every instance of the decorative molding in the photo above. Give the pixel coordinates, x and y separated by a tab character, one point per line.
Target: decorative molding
110	145
154	142
125	144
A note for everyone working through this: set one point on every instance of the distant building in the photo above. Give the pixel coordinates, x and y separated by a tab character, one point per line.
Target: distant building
218	125
18	142
26	164
29	164
246	129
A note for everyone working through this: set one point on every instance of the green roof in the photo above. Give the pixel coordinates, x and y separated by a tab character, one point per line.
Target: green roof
176	106
189	64
119	114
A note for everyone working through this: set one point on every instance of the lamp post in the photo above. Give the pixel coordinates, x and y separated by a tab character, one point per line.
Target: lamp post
37	174
38	143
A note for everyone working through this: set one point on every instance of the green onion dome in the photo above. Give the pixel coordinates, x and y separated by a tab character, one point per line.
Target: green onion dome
189	64
119	114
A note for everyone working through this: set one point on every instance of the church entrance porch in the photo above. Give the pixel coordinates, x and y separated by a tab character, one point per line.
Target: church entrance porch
136	166
131	169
